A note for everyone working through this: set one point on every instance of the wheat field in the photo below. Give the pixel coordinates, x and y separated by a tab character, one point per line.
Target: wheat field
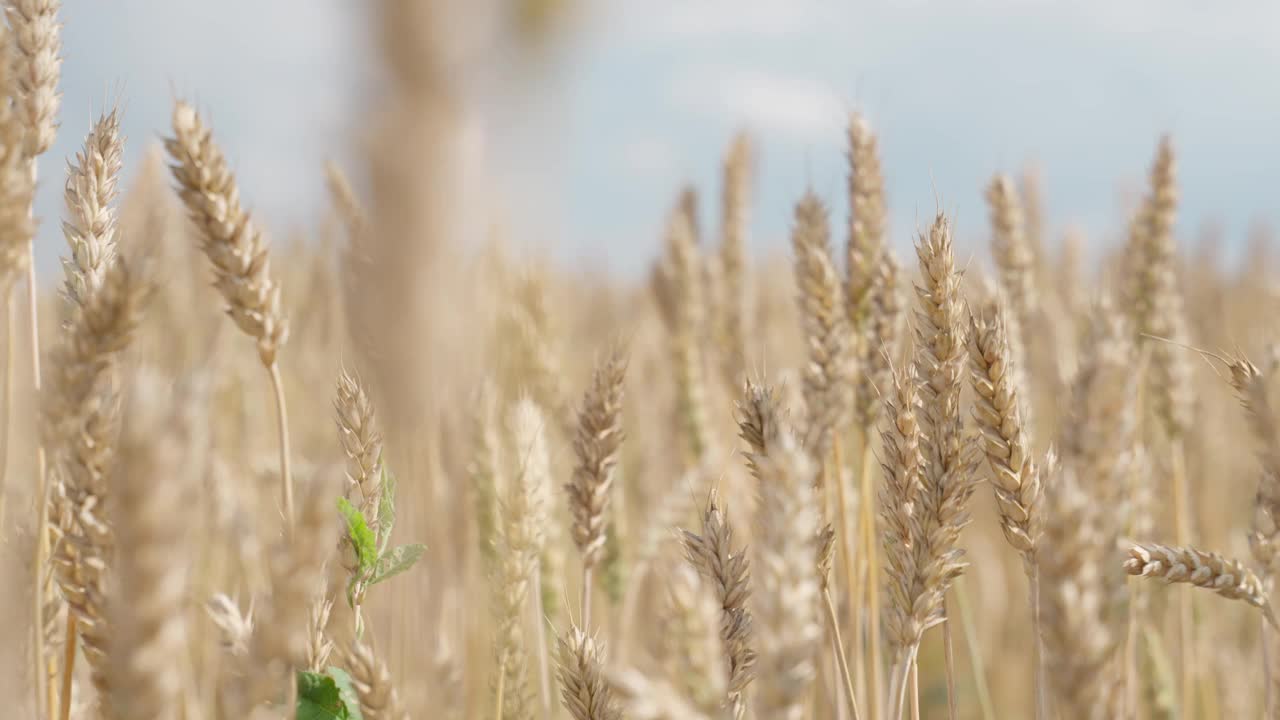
381	474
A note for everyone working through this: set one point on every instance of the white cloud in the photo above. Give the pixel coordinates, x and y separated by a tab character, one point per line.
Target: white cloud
800	109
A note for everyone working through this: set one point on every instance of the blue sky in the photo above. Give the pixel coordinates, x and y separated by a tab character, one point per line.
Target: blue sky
585	152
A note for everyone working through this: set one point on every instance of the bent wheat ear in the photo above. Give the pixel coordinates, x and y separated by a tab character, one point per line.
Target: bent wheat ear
230	240
1229	578
372	681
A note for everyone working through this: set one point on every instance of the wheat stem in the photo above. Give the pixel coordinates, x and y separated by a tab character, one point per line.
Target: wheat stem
282	426
948	649
838	651
873	575
540	636
1037	647
7	401
42	501
586	597
915	688
975	655
68	668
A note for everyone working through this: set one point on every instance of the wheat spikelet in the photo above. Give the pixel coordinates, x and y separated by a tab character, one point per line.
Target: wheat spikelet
35	27
160	452
233	244
1011	248
879	343
1250	385
361	443
90	227
760	422
1156	302
786	604
583	689
319	644
1229	578
729	571
485	471
596	446
691	635
373	685
903	479
735	210
998	411
348	205
821	300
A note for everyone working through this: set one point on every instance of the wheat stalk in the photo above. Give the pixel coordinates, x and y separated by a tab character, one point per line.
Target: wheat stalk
238	254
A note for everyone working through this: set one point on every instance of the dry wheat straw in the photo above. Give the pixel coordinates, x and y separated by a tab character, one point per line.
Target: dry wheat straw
583	688
596	447
238	254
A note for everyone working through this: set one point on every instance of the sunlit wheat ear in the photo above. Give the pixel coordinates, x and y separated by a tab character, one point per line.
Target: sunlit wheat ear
728	570
229	238
373	685
760	422
1006	442
821	299
362	443
583	689
161	454
90	225
36	31
596	446
1229	578
1250	385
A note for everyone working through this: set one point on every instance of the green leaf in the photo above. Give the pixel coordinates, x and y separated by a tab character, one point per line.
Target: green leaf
362	538
346	691
395	561
386	507
319	698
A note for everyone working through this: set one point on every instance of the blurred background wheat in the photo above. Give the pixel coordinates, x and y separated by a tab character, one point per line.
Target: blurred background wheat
666	360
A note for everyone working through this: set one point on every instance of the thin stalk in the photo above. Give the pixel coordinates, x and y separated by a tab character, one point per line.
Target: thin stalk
975	656
838	649
282	425
1037	647
544	672
915	688
948	651
502	682
43	689
7	402
873	573
586	598
1266	671
1182	531
68	667
898	683
847	552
